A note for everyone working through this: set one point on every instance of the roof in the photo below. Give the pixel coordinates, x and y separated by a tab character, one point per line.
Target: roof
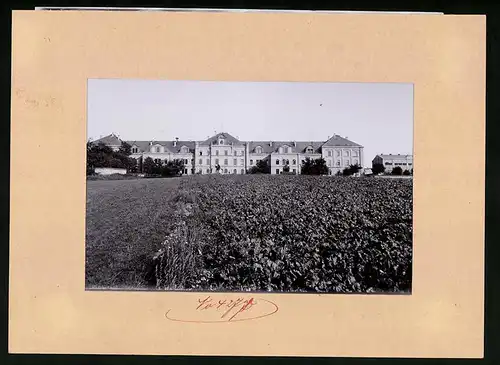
169	145
267	146
110	140
229	138
338	141
275	145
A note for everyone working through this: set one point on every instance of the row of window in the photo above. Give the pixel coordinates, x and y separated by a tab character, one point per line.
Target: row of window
257	150
398	164
347	153
158	150
226	153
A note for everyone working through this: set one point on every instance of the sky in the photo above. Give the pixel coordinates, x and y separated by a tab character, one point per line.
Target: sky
378	116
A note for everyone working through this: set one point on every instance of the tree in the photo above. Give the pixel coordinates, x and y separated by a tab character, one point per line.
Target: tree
397	171
351	170
116	163
378	168
406	172
314	167
139	165
286	168
132	165
158	167
262	167
172	168
125	149
148	166
98	155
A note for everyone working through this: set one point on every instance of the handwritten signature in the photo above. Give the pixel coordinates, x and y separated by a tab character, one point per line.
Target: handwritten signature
212	310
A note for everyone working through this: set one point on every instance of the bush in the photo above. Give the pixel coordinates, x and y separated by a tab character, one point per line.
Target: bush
406	173
397	171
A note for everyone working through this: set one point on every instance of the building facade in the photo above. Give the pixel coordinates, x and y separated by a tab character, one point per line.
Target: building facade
237	157
390	161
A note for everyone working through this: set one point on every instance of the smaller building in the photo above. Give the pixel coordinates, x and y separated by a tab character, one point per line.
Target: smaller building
391	161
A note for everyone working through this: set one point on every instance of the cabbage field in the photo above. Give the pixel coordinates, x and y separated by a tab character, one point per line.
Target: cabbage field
251	233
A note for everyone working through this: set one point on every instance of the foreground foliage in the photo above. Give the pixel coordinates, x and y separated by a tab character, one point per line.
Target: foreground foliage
289	233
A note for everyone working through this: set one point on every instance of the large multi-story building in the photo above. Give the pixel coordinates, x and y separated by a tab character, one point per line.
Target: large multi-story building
237	157
391	161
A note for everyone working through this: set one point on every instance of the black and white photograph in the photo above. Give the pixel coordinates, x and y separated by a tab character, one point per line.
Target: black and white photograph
224	186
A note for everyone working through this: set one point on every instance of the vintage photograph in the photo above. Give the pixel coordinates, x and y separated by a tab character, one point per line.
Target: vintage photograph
249	186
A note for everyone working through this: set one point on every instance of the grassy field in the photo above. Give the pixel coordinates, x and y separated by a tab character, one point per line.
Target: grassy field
271	233
126	222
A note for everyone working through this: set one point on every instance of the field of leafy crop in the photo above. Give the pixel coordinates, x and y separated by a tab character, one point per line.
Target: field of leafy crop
288	233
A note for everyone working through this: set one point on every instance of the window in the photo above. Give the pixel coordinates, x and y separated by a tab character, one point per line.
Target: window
242	153
284	162
338	153
225	153
338	163
242	171
346	163
355	162
355	153
217	153
293	162
216	161
221	141
200	161
258	149
329	162
309	150
234	171
208	171
346	153
184	149
157	149
186	171
293	171
302	161
329	153
388	163
236	153
281	150
242	162
135	150
409	163
277	171
225	171
192	161
235	162
251	162
225	161
185	161
157	160
277	162
201	153
208	161
200	172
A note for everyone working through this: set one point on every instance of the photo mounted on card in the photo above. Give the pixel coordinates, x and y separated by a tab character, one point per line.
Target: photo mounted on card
259	171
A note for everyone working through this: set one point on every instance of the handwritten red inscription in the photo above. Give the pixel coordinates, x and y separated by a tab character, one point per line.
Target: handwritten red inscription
211	310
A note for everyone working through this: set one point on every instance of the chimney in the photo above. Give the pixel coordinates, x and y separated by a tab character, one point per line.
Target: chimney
176	140
270	143
150	143
294	144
